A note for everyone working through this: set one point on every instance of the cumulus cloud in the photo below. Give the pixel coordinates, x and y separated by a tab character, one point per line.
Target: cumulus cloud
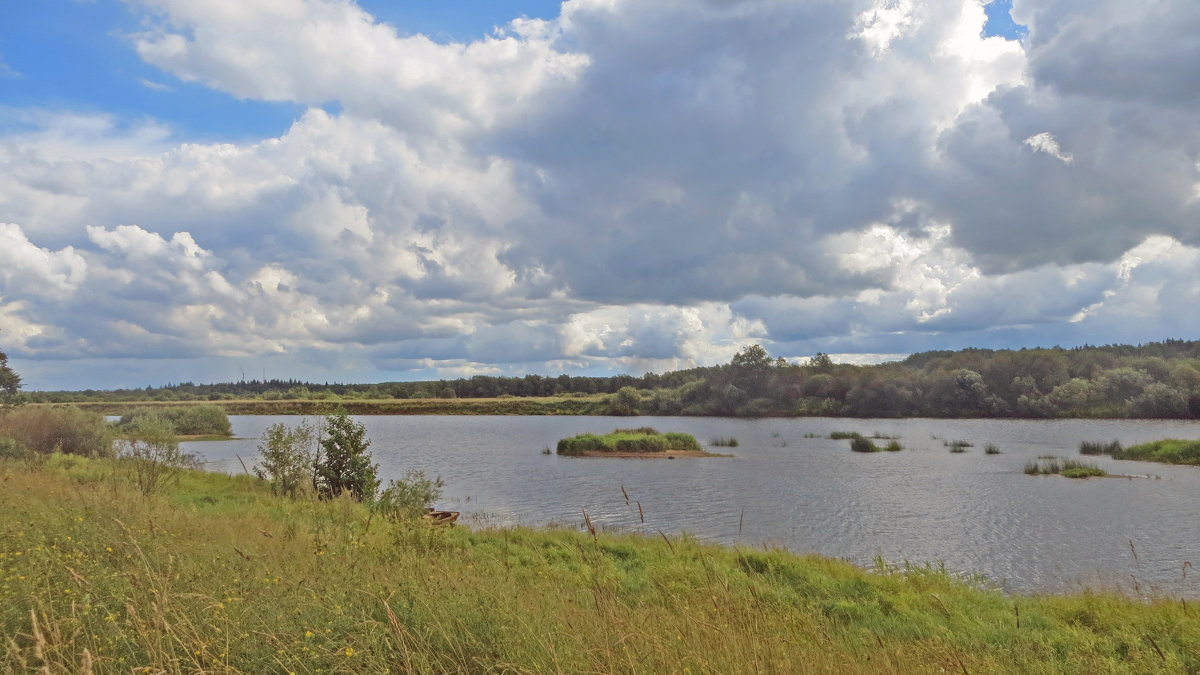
631	185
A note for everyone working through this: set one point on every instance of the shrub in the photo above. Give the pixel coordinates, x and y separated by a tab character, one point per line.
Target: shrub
410	496
191	420
11	448
153	454
43	430
287	458
343	463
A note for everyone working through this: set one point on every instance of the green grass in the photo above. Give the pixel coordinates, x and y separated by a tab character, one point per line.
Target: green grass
1068	468
1167	451
843	435
729	442
215	575
640	440
1098	448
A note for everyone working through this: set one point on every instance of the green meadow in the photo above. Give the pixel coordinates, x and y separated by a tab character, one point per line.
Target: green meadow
213	573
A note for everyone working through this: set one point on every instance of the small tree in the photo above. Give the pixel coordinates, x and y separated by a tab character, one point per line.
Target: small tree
343	463
287	458
10	384
410	496
153	453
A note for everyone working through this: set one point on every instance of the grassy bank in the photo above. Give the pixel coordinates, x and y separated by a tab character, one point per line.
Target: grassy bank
215	575
550	405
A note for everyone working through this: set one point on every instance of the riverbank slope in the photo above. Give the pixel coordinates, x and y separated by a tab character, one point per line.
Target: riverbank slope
216	574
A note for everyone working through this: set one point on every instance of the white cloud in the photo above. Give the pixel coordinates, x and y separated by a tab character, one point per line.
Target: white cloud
1046	143
633	185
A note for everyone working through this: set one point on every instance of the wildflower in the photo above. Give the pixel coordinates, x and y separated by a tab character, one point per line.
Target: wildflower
349	651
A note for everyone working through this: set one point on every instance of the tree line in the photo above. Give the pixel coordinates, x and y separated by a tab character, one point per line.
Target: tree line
1158	380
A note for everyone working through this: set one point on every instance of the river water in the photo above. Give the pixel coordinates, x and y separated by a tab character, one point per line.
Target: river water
975	513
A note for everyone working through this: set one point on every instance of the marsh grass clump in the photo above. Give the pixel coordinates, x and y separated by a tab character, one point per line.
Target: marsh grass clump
893	446
991	449
730	442
860	444
843	435
1167	451
1069	468
957	446
1099	448
640	440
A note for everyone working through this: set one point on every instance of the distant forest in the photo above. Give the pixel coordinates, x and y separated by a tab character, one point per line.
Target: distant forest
1154	380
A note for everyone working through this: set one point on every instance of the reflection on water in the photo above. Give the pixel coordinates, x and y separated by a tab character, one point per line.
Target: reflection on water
976	513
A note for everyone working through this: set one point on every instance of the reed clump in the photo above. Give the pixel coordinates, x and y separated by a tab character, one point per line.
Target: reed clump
1099	448
639	440
729	442
1167	451
214	574
1068	468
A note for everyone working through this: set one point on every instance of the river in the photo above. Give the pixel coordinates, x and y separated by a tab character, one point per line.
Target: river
788	485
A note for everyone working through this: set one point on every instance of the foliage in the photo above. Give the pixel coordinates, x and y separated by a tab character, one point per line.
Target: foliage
1157	379
729	442
287	455
190	420
152	454
187	581
343	464
10	384
1168	451
991	449
639	440
410	496
44	429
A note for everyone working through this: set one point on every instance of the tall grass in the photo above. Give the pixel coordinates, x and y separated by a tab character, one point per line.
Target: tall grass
42	430
729	442
216	575
1098	448
1069	468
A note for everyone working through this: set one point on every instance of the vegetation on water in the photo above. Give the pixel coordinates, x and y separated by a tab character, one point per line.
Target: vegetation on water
1167	451
991	449
215	573
1099	448
194	420
863	444
729	442
1154	380
1069	468
640	440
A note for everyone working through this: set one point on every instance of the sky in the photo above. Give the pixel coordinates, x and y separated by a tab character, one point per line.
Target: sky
342	191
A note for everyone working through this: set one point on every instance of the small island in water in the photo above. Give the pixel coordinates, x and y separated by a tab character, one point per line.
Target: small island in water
640	442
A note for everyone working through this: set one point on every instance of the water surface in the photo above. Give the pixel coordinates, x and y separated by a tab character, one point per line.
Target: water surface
973	512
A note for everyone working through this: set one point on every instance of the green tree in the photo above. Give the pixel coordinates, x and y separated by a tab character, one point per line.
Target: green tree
10	384
153	454
287	458
343	463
